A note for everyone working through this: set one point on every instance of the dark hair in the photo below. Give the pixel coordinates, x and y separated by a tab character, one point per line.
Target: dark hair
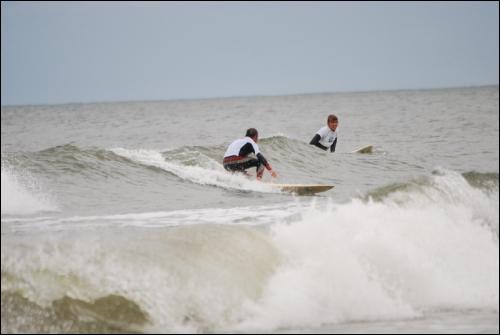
332	117
252	132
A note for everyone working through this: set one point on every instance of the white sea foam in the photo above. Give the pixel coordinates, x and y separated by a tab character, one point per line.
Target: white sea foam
438	250
22	194
314	264
209	172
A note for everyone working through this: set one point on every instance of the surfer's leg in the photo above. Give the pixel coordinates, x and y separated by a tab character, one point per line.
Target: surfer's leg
260	166
260	170
253	162
240	165
244	164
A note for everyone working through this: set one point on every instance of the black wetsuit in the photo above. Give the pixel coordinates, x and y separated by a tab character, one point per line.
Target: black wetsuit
238	157
315	141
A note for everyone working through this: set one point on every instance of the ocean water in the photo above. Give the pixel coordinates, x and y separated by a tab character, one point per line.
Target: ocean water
118	217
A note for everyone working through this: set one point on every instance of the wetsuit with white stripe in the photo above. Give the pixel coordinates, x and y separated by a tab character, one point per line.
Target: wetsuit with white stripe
325	138
237	157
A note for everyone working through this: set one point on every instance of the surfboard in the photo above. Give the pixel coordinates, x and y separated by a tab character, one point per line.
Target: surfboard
302	189
367	149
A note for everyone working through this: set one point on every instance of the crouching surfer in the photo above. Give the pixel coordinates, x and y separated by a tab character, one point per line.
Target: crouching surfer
239	155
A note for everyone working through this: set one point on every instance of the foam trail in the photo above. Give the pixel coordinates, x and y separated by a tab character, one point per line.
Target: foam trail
210	174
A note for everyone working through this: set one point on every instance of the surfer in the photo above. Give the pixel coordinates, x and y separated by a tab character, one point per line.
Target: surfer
327	136
238	156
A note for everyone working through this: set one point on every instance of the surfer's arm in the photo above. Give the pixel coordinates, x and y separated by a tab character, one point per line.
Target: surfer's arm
264	161
246	150
334	144
315	141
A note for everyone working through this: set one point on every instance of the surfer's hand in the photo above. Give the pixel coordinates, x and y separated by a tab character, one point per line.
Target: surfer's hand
273	173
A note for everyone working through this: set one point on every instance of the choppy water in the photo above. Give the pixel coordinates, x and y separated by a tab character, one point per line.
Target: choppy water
119	217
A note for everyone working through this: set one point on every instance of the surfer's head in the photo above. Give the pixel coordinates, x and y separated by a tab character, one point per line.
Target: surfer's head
332	122
253	134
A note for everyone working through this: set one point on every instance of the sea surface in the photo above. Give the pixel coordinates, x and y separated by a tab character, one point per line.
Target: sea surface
118	217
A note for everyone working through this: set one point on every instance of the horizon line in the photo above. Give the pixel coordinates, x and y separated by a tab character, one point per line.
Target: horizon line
247	96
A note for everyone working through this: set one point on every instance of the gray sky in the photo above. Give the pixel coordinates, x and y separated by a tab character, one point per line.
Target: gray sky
87	52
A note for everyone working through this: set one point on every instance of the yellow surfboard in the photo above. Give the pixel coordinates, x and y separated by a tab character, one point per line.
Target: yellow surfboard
367	149
302	189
